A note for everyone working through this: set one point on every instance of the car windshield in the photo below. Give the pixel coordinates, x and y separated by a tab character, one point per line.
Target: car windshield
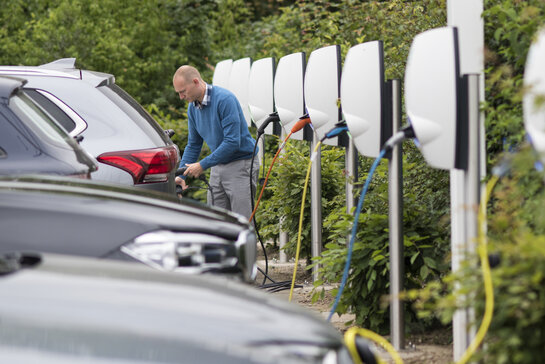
36	119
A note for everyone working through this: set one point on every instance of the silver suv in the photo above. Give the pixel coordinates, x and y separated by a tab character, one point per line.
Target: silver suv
130	146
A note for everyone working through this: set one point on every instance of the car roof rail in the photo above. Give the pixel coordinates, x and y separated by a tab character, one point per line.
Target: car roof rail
62	63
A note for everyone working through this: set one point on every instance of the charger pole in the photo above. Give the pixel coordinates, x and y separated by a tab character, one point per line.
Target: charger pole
351	168
283	235
395	192
466	15
472	177
316	204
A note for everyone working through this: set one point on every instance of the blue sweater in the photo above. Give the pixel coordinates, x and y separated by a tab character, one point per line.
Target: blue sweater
222	126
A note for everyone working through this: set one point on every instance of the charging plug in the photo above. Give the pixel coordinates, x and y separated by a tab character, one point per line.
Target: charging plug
271	118
338	129
406	132
300	124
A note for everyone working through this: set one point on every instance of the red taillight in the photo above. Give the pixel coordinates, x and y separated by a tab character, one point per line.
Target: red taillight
146	165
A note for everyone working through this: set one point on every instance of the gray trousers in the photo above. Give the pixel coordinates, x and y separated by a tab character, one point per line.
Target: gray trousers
230	186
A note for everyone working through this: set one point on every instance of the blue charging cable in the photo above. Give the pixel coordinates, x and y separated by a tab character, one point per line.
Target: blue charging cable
353	234
404	133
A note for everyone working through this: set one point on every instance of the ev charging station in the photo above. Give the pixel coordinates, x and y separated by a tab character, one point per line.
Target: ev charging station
532	103
288	91
238	84
260	92
443	109
260	96
222	72
466	16
372	110
322	88
290	105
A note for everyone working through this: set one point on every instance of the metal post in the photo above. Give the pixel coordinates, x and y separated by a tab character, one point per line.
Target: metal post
283	235
351	167
466	15
466	214
316	205
472	176
395	192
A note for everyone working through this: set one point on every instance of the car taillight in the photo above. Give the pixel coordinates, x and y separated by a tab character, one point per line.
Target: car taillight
146	165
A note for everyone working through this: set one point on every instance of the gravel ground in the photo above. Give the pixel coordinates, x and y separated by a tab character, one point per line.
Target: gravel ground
428	348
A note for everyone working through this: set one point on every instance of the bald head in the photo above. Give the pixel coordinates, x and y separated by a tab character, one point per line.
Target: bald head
188	73
188	84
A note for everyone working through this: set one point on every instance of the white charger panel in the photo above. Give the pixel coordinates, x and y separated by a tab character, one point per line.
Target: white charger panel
322	82
222	72
261	94
238	84
288	91
432	78
362	83
533	103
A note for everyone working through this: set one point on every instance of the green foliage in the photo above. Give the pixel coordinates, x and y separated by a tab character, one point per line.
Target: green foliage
282	197
516	235
311	25
141	43
509	29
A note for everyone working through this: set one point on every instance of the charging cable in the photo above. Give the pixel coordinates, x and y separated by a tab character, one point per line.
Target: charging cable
202	177
339	128
260	131
350	341
298	126
406	132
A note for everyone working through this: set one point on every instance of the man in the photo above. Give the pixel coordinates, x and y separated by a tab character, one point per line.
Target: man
215	116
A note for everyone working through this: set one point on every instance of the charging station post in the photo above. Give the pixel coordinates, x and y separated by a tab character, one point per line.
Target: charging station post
395	216
466	16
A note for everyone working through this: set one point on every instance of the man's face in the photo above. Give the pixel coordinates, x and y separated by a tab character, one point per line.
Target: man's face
189	91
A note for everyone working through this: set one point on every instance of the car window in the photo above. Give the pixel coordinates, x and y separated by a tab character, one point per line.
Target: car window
15	141
35	118
136	112
63	119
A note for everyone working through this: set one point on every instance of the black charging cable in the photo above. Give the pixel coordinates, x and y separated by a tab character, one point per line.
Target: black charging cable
180	191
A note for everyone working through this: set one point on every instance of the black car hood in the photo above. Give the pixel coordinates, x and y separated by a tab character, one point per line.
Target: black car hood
60	215
80	305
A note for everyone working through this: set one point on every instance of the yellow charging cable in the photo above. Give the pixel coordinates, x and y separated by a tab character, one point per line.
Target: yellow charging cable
301	215
350	340
487	276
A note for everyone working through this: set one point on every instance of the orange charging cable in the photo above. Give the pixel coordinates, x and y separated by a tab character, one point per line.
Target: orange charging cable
296	127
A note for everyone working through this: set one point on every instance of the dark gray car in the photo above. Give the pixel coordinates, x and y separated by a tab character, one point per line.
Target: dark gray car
72	310
32	142
68	216
129	144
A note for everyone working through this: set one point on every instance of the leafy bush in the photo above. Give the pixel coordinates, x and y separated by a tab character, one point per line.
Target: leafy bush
284	192
516	235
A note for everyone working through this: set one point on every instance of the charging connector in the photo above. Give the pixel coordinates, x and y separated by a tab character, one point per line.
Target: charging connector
270	119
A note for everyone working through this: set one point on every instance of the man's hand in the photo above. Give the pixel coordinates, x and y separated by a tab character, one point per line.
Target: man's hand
193	170
180	181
